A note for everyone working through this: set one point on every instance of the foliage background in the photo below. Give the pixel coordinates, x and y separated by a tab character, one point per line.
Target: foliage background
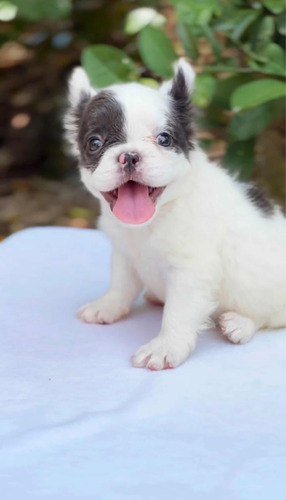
236	47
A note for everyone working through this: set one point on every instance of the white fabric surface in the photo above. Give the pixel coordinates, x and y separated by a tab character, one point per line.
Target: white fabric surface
78	422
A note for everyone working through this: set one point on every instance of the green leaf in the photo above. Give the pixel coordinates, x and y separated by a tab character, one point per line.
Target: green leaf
281	23
244	20
107	65
224	68
211	118
236	21
149	82
275	58
257	92
188	39
156	51
137	19
204	90
240	158
196	13
40	9
275	6
267	68
209	34
225	88
250	123
262	33
274	53
246	47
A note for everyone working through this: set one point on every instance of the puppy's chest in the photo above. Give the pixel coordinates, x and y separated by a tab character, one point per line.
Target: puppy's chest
148	262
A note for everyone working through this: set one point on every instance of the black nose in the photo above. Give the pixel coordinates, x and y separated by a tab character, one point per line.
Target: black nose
129	161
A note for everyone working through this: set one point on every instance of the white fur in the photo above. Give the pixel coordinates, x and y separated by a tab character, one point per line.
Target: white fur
189	75
78	84
207	251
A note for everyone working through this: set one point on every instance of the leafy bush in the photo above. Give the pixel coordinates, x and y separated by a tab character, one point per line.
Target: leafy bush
240	86
243	85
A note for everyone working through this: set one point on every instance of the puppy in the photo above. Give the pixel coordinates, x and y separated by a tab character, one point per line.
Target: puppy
181	227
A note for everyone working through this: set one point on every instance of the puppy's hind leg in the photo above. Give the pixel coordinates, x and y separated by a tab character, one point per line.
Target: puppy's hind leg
238	329
114	304
278	320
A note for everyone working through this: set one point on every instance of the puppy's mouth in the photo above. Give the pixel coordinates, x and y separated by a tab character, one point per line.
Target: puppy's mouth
133	203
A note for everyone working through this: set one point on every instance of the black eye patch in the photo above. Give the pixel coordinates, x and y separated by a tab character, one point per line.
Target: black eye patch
102	126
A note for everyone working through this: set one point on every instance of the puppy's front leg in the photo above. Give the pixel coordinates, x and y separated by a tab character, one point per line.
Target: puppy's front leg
114	304
188	304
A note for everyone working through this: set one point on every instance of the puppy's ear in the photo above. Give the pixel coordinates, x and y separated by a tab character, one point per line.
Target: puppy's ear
79	87
181	115
183	82
80	93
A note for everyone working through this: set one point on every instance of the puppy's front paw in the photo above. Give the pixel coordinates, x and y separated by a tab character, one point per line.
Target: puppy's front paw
105	310
160	354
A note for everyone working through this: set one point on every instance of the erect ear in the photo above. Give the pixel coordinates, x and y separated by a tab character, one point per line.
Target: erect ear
80	93
180	110
183	82
79	87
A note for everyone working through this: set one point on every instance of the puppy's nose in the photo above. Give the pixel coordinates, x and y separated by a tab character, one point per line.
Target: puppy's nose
129	161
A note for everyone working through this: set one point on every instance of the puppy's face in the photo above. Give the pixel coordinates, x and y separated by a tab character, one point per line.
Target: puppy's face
132	141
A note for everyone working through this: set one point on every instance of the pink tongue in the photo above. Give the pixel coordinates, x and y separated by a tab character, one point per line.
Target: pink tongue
133	205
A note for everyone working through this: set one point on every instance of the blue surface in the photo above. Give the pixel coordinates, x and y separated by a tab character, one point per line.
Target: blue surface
78	422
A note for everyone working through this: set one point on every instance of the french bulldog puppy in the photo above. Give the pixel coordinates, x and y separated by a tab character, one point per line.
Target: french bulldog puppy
198	241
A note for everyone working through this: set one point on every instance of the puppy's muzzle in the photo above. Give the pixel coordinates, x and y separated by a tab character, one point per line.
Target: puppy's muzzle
129	161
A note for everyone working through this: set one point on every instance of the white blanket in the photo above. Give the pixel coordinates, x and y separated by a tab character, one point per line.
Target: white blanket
79	422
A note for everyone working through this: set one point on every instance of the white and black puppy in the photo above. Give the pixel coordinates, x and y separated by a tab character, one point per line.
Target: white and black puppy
196	240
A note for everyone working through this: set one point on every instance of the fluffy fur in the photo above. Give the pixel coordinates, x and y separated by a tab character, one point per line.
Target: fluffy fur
209	251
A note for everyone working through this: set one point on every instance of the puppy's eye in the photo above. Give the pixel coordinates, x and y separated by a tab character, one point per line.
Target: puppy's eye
164	139
95	143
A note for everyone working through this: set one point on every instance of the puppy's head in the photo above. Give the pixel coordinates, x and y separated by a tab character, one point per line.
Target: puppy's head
132	141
